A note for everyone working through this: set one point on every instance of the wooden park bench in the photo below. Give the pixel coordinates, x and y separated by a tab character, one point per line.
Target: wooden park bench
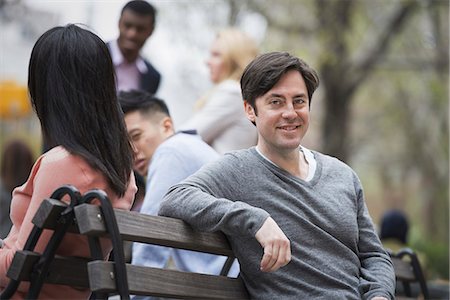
408	271
101	277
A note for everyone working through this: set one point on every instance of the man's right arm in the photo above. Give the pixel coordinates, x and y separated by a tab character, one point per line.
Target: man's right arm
203	201
207	213
209	200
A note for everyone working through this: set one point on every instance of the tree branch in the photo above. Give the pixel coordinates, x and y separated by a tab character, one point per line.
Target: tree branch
382	42
264	9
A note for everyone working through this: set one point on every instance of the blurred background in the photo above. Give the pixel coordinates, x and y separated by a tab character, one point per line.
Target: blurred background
382	106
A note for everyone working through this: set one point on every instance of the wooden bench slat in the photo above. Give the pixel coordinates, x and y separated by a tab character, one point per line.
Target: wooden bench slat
166	283
63	270
164	231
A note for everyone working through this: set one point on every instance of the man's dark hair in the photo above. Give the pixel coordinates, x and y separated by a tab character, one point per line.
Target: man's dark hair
394	225
142	8
267	69
145	103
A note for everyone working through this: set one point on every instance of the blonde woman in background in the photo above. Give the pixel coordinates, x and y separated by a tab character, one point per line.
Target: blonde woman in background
220	118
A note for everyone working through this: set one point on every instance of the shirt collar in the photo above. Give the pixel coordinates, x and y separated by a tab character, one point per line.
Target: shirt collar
118	59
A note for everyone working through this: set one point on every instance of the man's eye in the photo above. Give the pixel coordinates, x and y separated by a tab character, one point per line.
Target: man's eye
275	101
299	101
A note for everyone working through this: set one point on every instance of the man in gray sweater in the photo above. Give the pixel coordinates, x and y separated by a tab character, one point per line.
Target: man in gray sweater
296	219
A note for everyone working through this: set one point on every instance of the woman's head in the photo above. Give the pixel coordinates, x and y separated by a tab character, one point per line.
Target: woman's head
70	78
231	51
72	88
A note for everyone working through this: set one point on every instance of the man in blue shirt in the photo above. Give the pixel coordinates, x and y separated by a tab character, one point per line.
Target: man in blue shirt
166	158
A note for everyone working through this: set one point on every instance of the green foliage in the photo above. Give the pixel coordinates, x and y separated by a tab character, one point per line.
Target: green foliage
437	257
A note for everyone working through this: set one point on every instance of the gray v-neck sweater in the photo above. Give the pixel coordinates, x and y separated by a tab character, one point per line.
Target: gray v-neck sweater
336	253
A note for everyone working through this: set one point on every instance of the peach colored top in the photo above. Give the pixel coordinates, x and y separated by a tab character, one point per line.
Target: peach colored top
53	169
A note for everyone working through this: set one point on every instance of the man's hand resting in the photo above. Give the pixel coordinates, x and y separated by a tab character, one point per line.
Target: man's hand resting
277	247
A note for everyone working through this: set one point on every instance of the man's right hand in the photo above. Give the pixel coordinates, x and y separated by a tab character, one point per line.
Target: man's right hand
277	247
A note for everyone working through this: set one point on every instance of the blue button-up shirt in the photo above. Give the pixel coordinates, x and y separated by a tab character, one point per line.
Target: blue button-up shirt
174	160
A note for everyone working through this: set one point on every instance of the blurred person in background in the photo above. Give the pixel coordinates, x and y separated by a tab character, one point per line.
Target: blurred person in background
17	160
71	84
394	230
165	157
219	118
136	25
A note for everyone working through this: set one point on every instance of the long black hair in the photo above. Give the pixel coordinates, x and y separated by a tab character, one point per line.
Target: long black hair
72	88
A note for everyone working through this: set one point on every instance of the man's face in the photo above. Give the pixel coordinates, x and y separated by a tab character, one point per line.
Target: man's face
146	135
134	30
282	115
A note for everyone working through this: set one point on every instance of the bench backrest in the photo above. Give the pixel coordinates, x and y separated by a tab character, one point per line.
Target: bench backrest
98	275
408	270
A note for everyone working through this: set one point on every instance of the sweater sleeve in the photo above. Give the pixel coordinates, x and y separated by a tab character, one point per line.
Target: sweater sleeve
205	201
377	276
222	108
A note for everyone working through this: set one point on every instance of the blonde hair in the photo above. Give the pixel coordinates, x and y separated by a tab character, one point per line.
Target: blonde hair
238	49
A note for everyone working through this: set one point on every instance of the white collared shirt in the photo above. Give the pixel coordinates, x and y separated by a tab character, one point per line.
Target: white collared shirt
128	75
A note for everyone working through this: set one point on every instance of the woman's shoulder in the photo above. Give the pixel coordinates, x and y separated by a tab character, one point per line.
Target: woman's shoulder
55	155
61	163
60	157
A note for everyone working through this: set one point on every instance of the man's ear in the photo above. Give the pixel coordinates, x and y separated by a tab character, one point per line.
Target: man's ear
167	126
250	112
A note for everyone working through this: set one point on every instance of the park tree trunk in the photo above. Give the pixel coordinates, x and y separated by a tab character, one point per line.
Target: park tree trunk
341	75
334	19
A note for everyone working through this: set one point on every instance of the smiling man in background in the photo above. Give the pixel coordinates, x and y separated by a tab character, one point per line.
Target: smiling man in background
136	25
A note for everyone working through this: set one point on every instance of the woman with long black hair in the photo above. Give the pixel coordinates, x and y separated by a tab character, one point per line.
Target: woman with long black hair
72	88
